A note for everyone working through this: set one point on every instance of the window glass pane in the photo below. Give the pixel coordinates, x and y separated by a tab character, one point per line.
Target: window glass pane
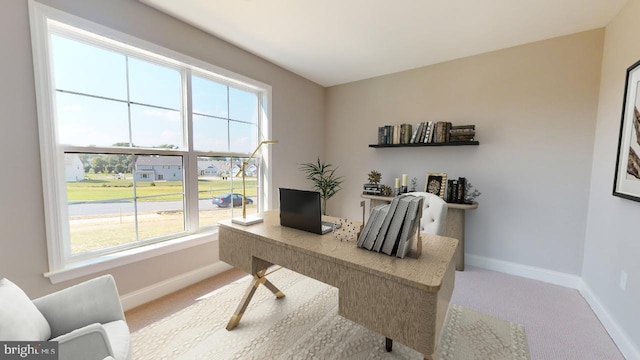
159	195
153	84
87	69
243	105
155	127
244	137
100	201
160	216
210	134
209	97
87	121
214	181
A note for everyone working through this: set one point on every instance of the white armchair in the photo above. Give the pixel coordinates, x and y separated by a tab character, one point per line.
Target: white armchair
86	319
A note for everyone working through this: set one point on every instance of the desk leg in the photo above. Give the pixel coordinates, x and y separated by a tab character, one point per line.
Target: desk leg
454	227
258	278
388	344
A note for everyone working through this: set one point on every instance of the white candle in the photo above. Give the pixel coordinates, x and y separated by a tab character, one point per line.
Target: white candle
404	179
397	182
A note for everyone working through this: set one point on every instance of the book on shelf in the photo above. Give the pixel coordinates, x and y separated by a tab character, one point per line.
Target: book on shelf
415	133
450	186
405	133
454	138
462	127
432	132
410	226
367	227
390	245
371	189
425	132
453	197
462	185
375	227
462	133
396	134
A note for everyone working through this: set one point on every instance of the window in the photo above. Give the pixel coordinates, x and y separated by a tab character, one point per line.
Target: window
137	140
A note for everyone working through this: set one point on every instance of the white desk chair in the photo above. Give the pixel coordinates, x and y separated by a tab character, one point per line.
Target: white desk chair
434	213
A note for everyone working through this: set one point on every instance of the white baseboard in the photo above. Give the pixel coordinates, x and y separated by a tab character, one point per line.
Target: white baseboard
158	290
530	272
619	336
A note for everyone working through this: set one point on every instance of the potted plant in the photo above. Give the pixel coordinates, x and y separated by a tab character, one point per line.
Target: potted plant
324	180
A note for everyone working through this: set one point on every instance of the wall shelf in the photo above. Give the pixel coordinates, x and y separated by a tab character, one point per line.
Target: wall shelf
456	143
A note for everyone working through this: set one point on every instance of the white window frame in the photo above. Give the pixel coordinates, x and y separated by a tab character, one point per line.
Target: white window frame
61	266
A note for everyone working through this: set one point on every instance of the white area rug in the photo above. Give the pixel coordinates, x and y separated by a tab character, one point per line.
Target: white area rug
305	325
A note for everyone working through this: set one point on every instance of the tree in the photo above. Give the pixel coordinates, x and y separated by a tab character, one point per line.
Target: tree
98	164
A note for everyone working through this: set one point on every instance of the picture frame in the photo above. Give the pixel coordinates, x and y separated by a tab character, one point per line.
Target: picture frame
626	183
436	183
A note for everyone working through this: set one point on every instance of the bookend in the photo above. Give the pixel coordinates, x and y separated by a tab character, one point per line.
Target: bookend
361	226
418	231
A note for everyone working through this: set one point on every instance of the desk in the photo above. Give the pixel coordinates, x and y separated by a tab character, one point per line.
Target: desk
402	299
453	226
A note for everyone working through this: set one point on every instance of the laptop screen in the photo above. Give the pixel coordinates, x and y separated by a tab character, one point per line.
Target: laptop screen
300	209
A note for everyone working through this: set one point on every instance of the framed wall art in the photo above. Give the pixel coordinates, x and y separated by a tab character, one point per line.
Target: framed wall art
626	183
436	183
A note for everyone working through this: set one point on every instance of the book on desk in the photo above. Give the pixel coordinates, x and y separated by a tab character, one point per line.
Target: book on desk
392	227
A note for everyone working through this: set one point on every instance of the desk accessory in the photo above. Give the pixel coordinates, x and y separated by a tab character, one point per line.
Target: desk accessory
254	219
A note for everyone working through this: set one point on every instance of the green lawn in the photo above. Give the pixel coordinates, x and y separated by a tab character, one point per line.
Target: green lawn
105	187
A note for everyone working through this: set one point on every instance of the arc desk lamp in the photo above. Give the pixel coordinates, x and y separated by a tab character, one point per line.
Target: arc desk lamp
249	220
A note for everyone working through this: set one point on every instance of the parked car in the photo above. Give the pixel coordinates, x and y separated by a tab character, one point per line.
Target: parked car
225	199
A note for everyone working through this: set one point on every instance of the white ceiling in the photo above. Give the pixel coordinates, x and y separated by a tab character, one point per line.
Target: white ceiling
333	42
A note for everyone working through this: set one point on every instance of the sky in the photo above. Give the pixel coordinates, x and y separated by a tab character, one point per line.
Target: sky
155	119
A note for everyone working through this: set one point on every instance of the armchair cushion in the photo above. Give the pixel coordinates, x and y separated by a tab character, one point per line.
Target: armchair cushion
20	319
93	301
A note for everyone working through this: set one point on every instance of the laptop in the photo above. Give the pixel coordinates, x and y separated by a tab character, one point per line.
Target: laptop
300	209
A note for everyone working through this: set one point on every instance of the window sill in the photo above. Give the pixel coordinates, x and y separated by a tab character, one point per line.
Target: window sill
110	261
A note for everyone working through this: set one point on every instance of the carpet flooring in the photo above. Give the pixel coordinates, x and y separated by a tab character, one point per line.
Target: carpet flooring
560	323
304	325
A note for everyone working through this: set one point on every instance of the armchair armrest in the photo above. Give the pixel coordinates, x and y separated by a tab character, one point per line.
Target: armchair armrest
93	301
88	343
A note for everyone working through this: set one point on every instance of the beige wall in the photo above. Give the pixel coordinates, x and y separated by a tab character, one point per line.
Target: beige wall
534	107
612	239
298	105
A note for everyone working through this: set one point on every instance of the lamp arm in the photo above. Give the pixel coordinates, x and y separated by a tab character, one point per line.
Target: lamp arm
246	162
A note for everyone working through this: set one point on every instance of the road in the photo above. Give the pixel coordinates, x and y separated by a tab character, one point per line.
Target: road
88	209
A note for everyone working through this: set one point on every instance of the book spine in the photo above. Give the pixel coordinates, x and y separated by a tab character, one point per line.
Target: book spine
454	191
413	136
462	183
450	190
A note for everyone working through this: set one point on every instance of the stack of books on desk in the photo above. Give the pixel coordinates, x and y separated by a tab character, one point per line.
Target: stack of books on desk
392	227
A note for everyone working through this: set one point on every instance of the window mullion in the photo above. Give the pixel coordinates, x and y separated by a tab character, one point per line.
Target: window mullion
191	161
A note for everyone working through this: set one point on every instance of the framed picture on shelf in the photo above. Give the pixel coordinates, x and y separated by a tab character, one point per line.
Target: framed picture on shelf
436	183
626	183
